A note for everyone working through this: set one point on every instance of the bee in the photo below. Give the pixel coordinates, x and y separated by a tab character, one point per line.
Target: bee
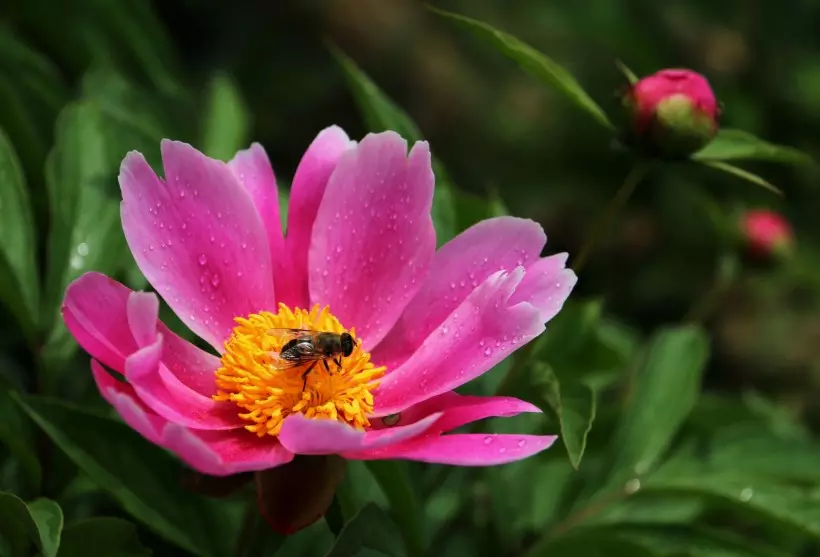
305	346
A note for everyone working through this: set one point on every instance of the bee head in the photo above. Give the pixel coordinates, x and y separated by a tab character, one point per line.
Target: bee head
347	344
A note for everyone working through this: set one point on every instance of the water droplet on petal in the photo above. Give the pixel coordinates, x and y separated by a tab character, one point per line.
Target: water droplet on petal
522	442
215	280
488	440
746	494
502	450
203	260
488	351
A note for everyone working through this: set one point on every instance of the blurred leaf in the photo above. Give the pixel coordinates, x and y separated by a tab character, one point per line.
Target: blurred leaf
589	544
227	121
102	537
144	480
49	519
664	391
85	231
696	541
734	145
577	347
257	538
534	62
16	435
17	525
18	244
405	507
380	113
628	74
791	506
31	69
573	406
649	509
743	175
371	529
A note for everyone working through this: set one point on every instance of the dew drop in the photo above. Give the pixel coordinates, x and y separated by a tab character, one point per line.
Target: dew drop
746	494
214	280
502	450
445	329
481	342
488	440
488	351
203	260
522	442
150	247
453	285
181	194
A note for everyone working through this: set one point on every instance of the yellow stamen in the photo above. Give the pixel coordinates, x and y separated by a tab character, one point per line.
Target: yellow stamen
268	395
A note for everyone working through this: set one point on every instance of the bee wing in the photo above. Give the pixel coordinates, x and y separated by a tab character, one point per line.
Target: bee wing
285	333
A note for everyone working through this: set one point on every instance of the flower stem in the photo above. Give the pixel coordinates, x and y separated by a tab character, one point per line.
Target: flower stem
623	194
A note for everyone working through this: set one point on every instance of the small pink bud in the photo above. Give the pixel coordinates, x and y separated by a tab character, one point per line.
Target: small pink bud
673	113
767	233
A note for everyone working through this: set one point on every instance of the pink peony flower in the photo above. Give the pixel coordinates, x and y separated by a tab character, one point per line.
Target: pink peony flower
360	256
767	233
673	112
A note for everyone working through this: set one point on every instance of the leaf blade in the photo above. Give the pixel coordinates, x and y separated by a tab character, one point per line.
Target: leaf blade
734	145
370	529
743	175
48	517
534	62
102	537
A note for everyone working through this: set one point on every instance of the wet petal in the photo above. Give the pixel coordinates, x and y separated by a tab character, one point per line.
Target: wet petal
222	453
546	285
164	394
467	449
306	195
197	238
131	409
483	330
373	240
254	172
459	266
303	435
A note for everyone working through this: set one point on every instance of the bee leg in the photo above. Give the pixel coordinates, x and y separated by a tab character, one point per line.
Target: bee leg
326	366
338	363
305	374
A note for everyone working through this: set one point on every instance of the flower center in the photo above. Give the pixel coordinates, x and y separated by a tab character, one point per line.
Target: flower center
270	373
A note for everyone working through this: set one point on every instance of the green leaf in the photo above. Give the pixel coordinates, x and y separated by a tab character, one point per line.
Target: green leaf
589	544
534	62
735	145
49	519
743	175
15	433
695	540
405	507
791	506
628	74
102	537
573	406
371	529
227	121
380	113
257	538
663	392
19	284
144	480
17	525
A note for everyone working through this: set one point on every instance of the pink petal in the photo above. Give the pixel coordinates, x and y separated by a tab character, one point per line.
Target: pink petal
480	333
458	267
197	238
306	194
458	410
253	171
132	411
94	310
164	394
546	285
223	453
104	316
373	240
303	435
466	449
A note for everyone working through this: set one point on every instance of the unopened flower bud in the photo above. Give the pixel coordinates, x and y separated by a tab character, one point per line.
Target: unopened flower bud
672	113
767	234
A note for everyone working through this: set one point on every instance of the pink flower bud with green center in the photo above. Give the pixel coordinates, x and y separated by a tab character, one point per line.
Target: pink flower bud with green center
673	113
767	233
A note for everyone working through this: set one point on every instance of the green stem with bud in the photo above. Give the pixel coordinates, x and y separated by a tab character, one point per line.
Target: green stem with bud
638	172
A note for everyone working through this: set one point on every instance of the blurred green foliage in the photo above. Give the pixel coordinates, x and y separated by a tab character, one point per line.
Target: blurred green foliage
682	382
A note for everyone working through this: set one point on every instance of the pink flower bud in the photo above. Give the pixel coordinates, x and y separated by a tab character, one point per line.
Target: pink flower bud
673	112
767	233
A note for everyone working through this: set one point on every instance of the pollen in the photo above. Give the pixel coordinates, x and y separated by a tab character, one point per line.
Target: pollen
266	394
